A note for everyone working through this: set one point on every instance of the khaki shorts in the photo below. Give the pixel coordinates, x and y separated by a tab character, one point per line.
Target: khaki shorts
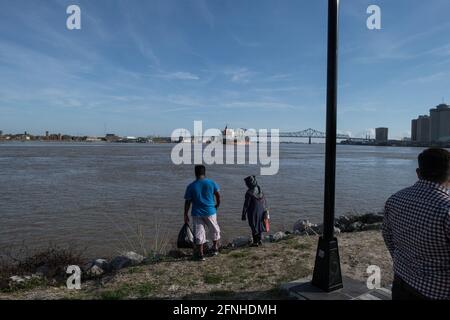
200	223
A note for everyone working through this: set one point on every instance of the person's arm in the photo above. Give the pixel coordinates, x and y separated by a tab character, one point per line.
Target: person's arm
447	226
187	206
217	195
266	208
246	204
387	230
187	203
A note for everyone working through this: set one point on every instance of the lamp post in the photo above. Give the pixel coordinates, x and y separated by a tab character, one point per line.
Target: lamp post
327	268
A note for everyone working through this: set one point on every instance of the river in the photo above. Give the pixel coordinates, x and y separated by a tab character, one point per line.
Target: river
109	197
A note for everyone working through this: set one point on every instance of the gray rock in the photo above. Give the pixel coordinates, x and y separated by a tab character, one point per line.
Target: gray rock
355	226
280	235
304	227
101	263
371	218
344	223
177	253
318	230
17	279
95	271
120	262
373	226
240	242
128	259
43	271
208	245
352	223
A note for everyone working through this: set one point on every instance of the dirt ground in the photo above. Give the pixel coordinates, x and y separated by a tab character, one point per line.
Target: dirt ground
247	273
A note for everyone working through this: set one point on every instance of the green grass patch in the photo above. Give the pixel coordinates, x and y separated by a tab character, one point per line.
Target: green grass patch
239	254
144	290
27	285
294	271
133	270
211	278
222	294
141	290
301	246
115	294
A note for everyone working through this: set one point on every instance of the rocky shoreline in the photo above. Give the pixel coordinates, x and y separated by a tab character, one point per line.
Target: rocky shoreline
100	267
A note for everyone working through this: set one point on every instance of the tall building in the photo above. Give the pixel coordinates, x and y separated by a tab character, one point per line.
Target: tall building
414	130
381	134
423	129
440	123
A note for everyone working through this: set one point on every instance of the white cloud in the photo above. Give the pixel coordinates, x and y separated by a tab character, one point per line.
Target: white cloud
246	43
259	104
426	79
179	76
240	75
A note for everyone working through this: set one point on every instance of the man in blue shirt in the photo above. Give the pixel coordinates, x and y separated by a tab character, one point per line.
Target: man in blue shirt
204	196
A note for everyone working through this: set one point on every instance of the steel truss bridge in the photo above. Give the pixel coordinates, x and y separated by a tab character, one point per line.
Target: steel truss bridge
312	133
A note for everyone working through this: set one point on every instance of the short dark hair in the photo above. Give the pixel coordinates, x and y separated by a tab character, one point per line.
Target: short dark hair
434	165
200	170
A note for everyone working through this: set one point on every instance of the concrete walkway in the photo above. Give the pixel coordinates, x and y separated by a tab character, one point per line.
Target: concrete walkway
353	290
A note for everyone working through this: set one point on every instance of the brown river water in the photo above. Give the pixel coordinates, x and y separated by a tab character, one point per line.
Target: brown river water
112	197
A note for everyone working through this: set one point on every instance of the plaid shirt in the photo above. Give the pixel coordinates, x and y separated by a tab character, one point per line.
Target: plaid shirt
416	230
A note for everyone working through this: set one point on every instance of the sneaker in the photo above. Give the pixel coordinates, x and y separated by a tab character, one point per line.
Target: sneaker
199	258
215	252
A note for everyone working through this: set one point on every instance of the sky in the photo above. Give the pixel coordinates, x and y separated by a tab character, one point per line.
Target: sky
149	67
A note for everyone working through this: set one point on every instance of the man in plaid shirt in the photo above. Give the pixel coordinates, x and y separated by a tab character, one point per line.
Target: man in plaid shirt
416	230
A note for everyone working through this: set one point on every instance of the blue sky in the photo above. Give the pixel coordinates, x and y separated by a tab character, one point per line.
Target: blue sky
149	67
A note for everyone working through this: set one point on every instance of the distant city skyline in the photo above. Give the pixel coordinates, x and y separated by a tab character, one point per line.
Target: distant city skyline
143	68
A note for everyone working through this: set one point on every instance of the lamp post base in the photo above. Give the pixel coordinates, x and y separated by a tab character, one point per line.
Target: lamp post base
327	269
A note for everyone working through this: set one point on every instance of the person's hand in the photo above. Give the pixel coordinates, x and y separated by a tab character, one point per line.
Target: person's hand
243	218
186	219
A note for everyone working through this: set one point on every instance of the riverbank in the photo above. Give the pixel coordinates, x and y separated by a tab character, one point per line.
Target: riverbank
237	273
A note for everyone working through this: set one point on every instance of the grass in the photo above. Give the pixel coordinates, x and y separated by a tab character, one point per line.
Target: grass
116	294
239	254
133	270
244	273
222	294
24	261
212	278
140	291
27	285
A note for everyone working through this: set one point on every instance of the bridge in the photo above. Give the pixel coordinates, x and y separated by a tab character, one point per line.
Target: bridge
312	133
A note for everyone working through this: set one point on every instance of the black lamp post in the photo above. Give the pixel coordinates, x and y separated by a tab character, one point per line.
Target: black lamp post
327	269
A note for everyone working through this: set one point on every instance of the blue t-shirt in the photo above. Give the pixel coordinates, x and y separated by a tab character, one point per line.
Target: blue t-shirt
201	193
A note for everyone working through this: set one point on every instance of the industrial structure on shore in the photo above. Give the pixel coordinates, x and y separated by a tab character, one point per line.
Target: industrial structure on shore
433	128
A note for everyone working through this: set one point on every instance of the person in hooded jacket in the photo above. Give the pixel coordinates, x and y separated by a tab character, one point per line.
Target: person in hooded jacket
255	209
